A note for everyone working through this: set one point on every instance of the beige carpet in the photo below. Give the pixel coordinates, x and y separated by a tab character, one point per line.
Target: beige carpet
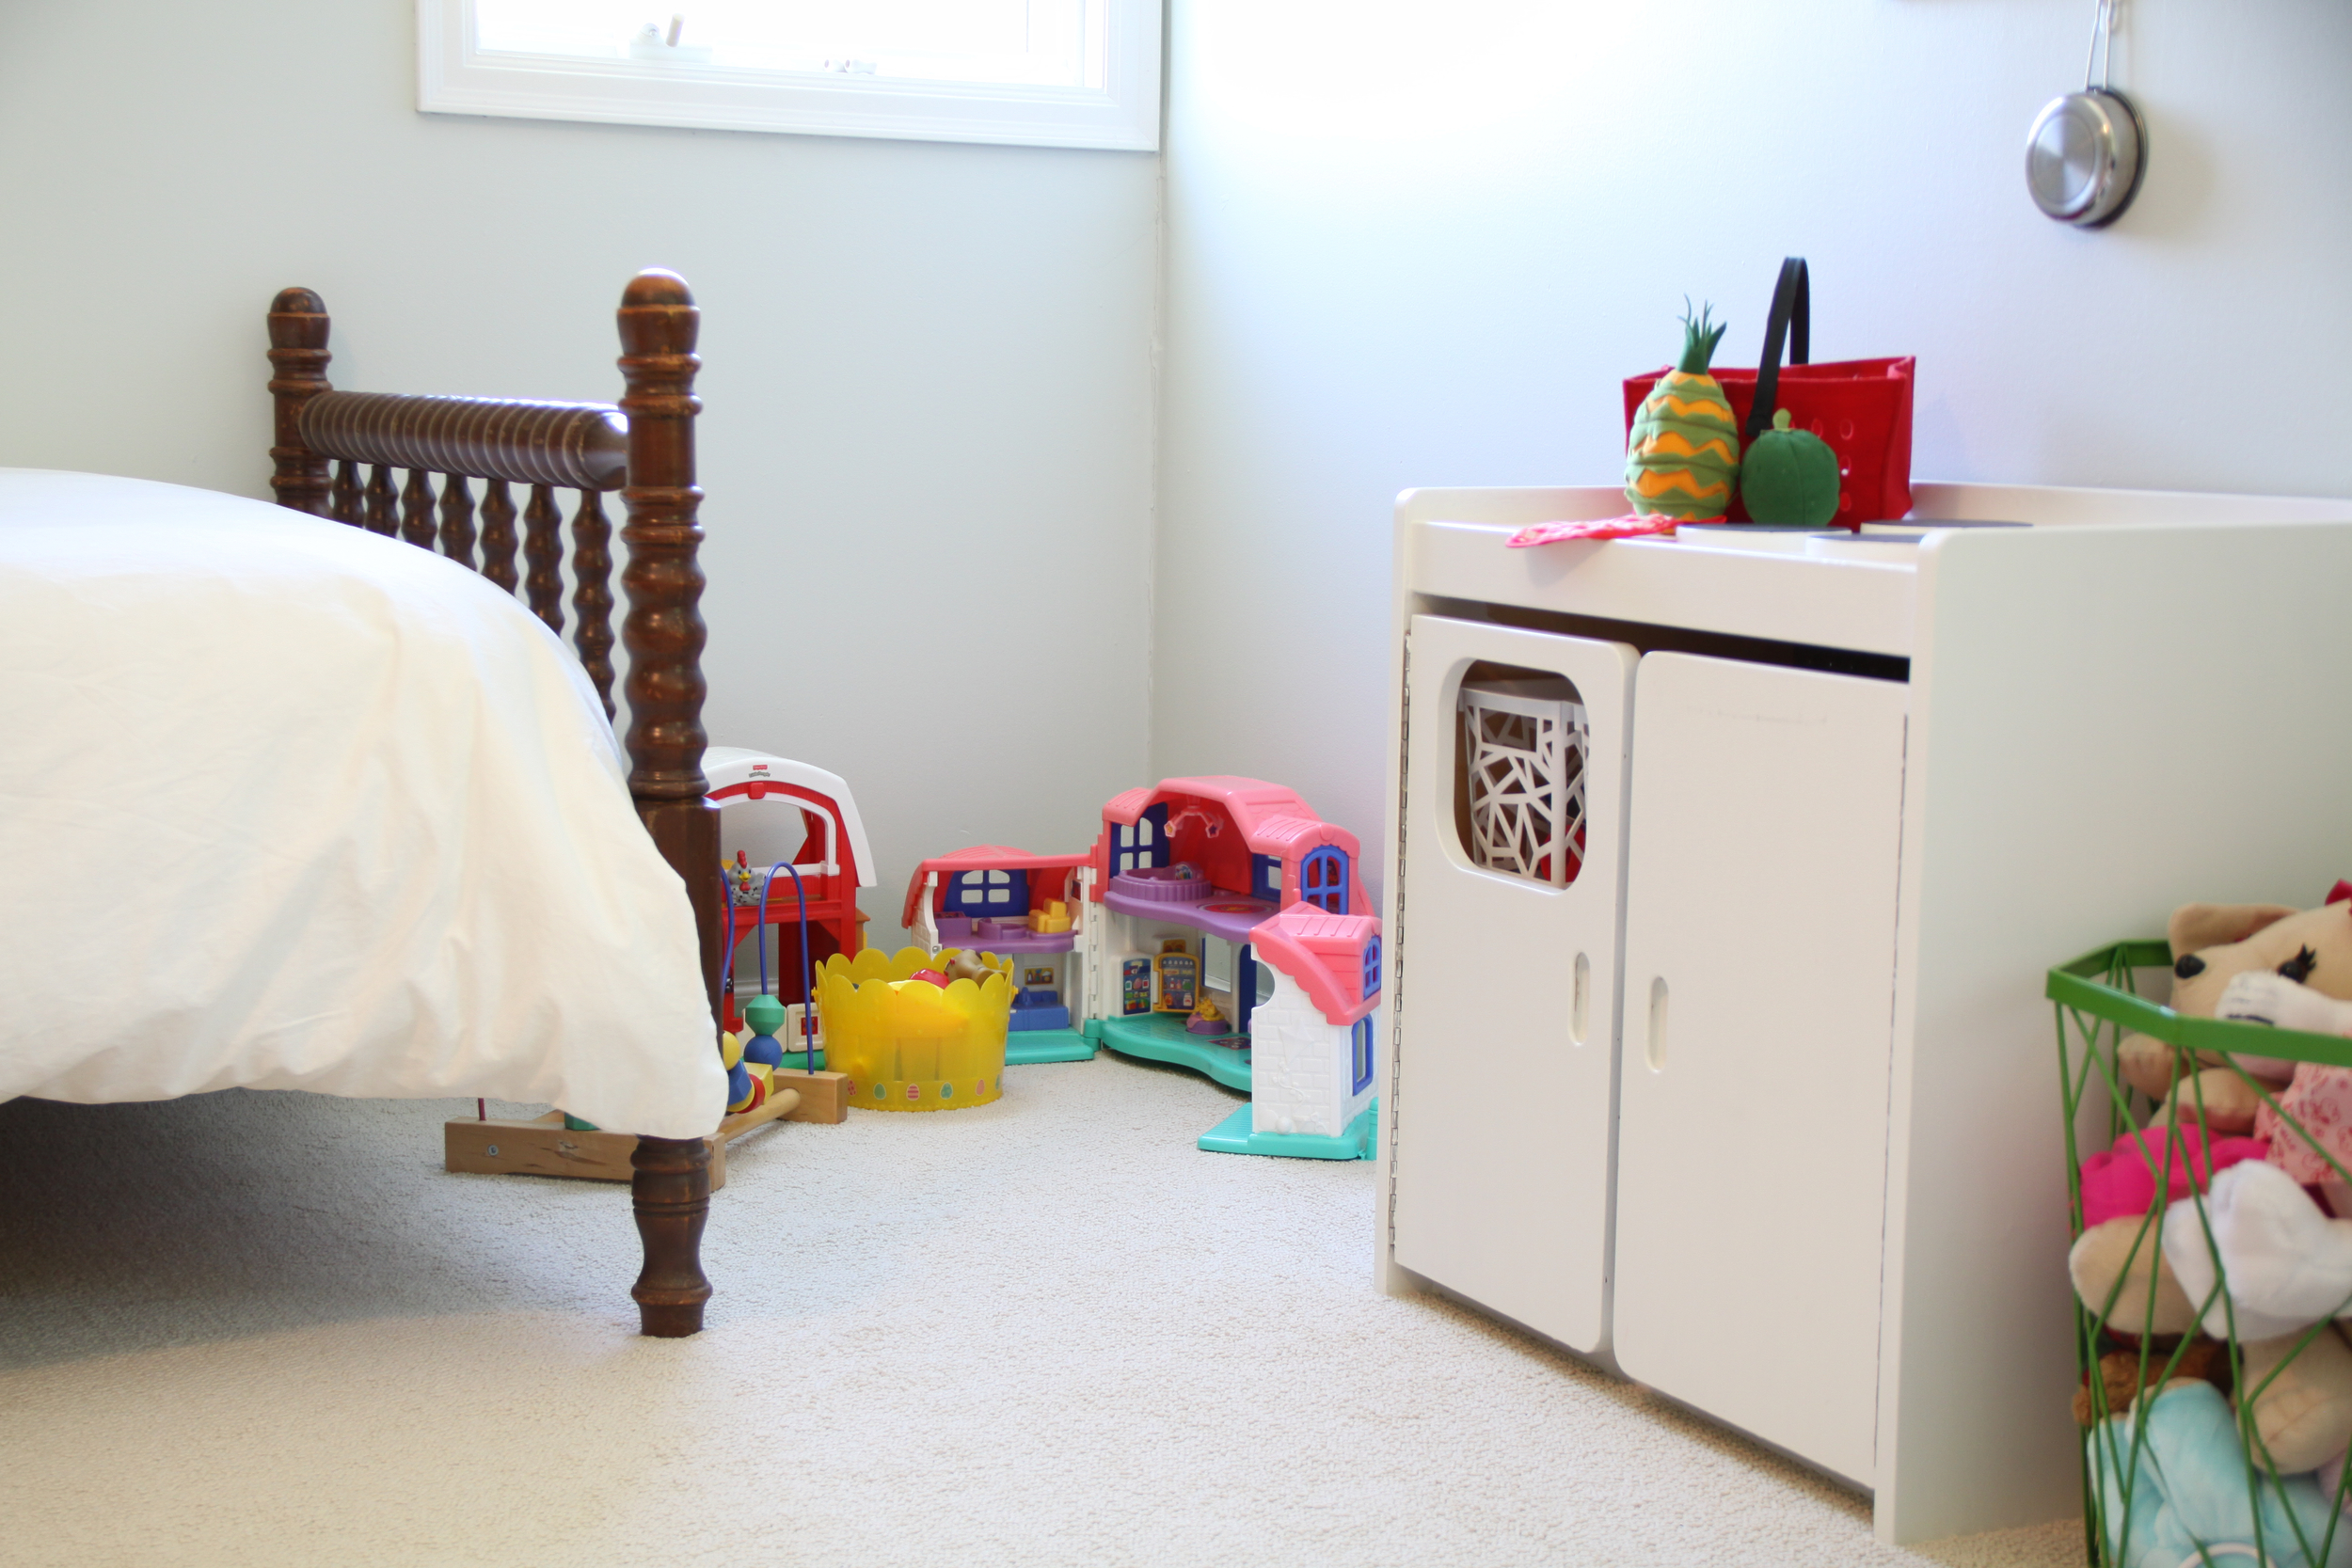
257	1329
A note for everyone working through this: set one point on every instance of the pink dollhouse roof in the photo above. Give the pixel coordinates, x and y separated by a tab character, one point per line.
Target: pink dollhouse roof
1272	821
1324	954
980	857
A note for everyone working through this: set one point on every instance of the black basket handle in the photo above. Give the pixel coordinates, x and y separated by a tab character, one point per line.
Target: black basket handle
1792	320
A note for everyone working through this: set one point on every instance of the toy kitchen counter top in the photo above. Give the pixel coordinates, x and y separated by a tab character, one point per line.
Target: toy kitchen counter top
1825	589
1736	862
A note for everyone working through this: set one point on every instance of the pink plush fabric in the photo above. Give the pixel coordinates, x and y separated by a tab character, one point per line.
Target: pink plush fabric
2320	1100
2122	1182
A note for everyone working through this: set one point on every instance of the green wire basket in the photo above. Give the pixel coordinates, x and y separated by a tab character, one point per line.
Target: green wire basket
2292	1521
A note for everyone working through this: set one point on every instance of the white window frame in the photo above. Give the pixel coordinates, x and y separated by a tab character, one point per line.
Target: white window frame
454	78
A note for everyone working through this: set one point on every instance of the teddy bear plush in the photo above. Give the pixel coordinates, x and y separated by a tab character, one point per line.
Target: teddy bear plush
2123	1377
2212	945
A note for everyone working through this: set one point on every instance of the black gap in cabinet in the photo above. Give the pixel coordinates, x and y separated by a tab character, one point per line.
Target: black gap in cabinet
1680	639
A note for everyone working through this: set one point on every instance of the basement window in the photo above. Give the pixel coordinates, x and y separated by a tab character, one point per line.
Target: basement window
1031	73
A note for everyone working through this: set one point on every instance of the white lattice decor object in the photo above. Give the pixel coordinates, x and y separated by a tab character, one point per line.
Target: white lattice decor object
1523	747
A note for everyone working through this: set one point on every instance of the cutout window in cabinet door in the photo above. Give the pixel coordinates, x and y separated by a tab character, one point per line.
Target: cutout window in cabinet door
1518	776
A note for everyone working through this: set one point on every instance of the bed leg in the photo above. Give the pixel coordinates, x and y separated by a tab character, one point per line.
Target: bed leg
672	1194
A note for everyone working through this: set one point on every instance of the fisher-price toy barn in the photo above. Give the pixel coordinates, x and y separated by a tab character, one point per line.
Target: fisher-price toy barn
1217	924
774	809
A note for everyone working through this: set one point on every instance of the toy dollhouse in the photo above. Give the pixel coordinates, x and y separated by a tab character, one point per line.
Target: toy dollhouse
1204	928
1311	1039
1182	876
773	808
1020	907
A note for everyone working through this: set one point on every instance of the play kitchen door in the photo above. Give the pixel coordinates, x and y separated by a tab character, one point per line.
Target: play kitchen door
1759	960
1504	1087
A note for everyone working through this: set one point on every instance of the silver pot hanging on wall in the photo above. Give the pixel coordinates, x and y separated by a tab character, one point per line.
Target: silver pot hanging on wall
2087	150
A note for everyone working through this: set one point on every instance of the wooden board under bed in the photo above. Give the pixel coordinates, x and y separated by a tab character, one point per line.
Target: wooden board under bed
644	448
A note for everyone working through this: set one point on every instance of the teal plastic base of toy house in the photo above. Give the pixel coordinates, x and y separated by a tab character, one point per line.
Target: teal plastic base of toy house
1162	1037
1232	1136
1027	1046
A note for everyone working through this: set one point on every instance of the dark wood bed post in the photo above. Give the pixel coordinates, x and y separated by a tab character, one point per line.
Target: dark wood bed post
665	636
576	445
297	353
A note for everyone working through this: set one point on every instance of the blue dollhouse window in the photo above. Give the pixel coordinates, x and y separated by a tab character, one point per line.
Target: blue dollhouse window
1265	878
1323	879
987	892
1141	844
1360	1043
1372	967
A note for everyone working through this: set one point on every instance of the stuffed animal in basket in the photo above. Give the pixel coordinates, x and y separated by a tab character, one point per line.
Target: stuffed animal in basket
2212	945
2295	1364
2187	1499
2287	1260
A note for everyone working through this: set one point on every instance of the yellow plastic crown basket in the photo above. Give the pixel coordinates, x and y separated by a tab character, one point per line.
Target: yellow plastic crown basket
907	1045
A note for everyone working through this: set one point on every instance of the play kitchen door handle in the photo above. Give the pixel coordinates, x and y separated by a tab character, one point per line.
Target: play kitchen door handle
1581	1006
1654	1051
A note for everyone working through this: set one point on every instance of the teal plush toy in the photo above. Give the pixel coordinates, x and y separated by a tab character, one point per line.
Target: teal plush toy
1790	477
2187	1500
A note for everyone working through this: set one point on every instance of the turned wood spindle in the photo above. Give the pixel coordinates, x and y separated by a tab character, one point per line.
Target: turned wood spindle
415	509
664	635
498	535
585	447
592	592
343	499
298	357
663	582
457	520
383	503
543	551
670	1191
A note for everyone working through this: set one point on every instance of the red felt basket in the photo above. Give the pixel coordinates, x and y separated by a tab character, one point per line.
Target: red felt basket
1861	407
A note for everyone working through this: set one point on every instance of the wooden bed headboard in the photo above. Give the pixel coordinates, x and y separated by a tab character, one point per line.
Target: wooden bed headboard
645	448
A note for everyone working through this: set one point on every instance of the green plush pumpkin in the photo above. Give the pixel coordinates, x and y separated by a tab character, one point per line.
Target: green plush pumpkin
1790	476
1683	457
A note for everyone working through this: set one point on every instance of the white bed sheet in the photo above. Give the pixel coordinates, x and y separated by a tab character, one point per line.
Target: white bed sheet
287	805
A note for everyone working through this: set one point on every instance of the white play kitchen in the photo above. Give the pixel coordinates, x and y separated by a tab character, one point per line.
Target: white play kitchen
1724	871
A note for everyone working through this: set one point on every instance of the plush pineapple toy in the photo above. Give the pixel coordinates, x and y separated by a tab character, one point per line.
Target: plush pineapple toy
1684	455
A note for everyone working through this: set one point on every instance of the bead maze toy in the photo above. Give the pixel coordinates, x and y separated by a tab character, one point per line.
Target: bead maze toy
557	1145
805	822
763	1085
774	810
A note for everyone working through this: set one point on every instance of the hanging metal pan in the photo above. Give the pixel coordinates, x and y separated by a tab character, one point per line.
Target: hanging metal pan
2085	156
2086	150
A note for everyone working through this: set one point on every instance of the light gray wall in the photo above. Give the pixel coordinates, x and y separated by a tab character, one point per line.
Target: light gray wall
928	437
1421	245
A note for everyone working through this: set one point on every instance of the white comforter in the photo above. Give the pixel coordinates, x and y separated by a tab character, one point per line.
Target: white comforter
289	805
